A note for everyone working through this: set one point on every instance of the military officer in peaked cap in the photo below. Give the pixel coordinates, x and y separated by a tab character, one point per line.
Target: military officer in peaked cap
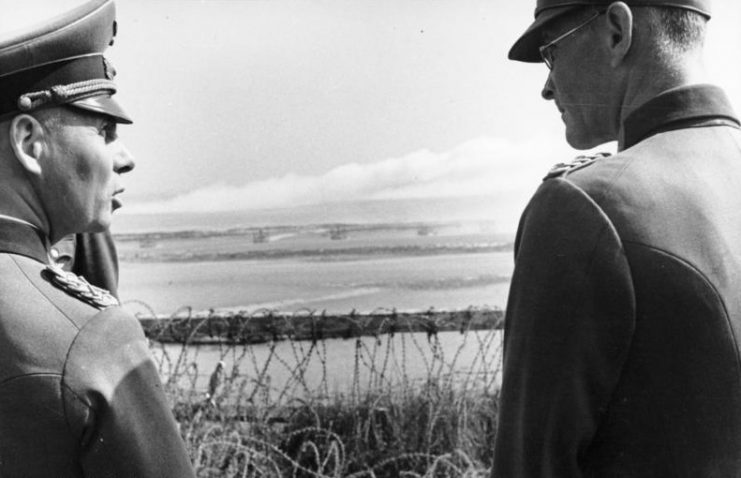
79	393
622	352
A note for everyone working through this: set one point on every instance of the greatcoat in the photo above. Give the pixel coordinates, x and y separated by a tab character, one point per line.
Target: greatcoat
79	393
623	324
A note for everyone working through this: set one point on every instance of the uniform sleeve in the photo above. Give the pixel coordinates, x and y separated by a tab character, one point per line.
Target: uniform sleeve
96	260
116	406
569	323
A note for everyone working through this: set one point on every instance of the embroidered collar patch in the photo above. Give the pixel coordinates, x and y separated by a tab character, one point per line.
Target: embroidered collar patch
80	288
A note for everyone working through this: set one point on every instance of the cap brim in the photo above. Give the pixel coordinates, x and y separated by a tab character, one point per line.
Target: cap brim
103	104
526	48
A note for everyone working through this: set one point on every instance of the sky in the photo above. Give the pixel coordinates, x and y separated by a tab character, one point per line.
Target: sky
250	104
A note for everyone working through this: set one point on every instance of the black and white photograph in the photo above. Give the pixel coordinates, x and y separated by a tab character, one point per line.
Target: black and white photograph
370	238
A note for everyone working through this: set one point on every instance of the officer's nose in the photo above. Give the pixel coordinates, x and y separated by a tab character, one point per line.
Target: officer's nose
124	161
547	92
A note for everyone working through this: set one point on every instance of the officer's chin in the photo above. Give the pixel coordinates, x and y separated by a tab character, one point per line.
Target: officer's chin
581	141
100	224
584	138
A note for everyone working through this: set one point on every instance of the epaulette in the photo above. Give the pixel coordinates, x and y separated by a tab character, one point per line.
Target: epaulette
78	287
562	169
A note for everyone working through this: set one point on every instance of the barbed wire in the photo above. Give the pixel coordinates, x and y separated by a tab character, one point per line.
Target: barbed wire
187	326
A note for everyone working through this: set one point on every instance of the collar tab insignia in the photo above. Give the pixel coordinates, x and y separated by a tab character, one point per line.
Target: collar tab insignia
80	288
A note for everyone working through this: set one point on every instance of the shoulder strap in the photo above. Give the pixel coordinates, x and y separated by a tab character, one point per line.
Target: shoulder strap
562	169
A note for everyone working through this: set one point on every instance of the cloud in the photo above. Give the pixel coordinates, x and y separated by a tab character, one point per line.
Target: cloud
479	167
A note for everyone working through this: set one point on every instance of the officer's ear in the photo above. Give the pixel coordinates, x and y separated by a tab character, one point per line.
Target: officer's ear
619	38
27	141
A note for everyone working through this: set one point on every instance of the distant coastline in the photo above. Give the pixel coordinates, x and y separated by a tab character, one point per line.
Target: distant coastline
422	228
491	210
256	241
325	254
318	259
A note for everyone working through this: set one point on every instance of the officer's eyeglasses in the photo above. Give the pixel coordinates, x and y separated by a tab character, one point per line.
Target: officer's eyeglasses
546	51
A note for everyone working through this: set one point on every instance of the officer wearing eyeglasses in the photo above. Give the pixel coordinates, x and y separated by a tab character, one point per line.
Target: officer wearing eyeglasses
622	353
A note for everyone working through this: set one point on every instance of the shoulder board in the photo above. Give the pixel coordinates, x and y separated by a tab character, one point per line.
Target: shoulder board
562	169
79	288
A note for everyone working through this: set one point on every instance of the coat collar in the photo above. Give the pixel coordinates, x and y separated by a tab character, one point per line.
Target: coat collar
682	107
22	239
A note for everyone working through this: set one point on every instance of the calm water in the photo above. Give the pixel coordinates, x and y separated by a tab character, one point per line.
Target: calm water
370	269
342	366
445	282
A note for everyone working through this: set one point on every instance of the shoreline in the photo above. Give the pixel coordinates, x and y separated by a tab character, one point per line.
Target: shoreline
265	326
323	253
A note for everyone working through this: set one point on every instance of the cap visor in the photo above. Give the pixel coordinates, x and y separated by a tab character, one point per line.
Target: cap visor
526	48
104	105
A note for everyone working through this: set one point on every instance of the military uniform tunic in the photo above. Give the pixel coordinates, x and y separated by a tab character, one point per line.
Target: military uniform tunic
90	255
623	324
79	393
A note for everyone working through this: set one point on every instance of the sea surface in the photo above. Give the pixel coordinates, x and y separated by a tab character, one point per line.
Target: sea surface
412	254
367	272
294	261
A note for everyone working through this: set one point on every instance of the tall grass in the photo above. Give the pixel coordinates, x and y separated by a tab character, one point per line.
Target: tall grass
386	423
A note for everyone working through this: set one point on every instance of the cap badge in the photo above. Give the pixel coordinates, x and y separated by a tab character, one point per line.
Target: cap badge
108	69
115	31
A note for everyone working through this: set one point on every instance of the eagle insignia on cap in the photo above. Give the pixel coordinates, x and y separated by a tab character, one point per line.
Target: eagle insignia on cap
80	288
62	62
115	32
562	169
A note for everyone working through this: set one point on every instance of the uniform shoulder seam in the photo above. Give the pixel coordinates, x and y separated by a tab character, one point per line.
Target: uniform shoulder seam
62	387
41	292
704	278
27	375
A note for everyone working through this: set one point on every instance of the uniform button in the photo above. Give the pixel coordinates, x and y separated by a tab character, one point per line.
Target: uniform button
54	253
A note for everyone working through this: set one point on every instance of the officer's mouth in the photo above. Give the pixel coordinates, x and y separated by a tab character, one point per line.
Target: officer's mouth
116	202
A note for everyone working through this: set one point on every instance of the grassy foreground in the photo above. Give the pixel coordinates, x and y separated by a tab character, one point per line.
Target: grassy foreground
387	424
